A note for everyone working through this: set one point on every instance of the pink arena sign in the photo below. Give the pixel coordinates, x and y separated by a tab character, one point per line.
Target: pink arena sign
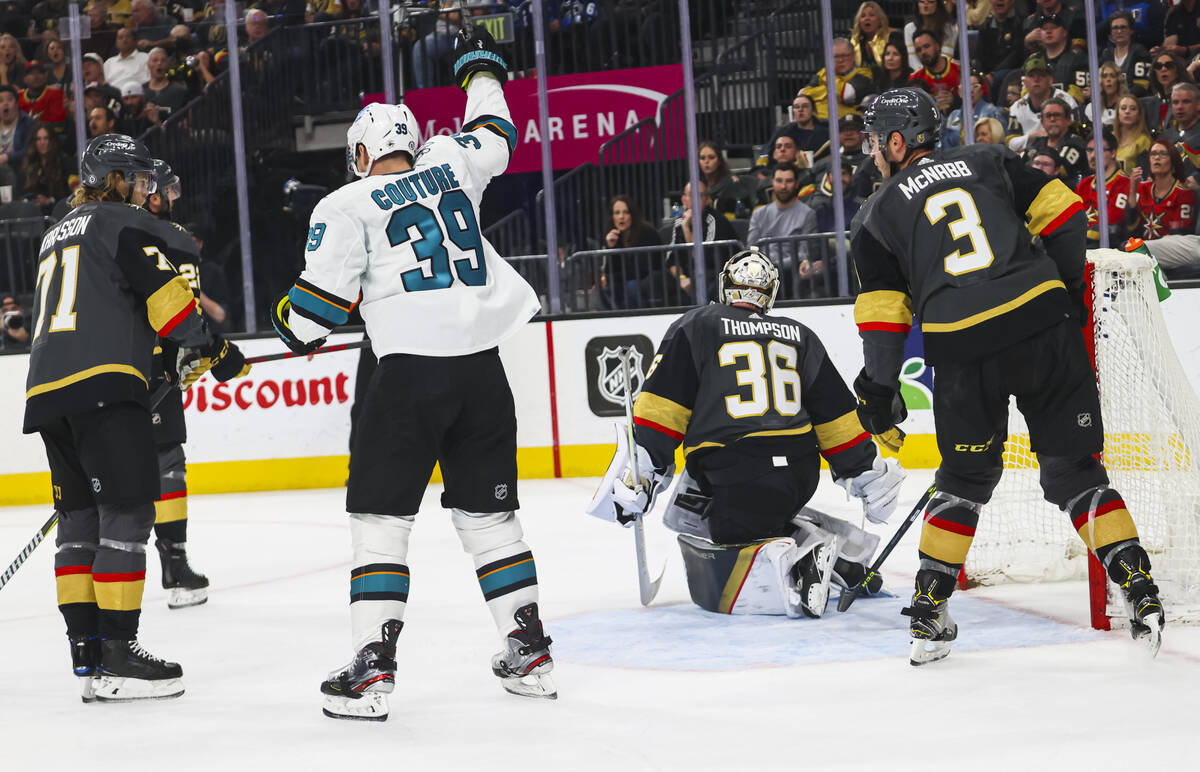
586	110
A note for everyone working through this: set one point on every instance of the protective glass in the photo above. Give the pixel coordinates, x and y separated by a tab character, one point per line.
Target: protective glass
143	182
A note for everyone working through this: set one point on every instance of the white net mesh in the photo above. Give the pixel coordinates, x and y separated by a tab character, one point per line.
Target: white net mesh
1151	450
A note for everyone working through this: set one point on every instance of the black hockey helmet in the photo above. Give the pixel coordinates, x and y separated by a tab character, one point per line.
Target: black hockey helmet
166	181
910	111
116	153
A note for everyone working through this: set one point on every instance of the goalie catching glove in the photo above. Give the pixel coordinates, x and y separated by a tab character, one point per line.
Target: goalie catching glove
626	493
222	358
878	487
474	52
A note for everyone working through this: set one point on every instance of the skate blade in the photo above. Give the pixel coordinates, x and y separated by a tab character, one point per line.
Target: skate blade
181	597
371	706
923	651
537	686
87	688
1152	638
116	689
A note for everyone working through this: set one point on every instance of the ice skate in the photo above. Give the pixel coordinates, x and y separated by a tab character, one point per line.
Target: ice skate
811	576
525	664
932	629
85	660
184	586
359	691
128	672
1146	618
848	574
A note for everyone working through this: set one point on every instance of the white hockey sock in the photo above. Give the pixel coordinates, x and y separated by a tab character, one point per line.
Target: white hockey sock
379	578
503	562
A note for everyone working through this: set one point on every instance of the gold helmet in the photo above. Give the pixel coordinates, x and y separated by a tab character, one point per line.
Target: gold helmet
749	277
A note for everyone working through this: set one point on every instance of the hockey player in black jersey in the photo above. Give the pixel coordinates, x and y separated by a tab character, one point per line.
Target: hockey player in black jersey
105	290
756	403
950	239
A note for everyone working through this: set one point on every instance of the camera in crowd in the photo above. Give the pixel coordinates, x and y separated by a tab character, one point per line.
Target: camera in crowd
13	320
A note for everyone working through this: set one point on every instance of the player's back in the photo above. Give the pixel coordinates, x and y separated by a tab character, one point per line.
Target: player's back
953	222
431	283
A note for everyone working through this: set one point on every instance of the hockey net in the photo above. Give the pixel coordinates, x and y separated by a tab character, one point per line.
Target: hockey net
1151	449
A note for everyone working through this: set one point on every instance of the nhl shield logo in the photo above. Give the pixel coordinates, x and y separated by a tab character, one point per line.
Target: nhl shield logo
95	484
501	491
605	381
611	379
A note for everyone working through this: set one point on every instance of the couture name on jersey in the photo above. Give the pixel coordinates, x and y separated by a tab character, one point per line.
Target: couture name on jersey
65	230
420	184
932	173
741	329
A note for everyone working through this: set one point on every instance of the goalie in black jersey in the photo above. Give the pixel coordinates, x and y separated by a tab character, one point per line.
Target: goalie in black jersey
756	403
950	239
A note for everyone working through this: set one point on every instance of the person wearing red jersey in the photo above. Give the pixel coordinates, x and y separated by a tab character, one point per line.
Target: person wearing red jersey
46	103
1117	187
939	74
1161	205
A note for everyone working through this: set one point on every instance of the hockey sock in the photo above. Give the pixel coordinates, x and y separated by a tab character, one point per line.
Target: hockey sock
119	570
379	579
503	563
78	534
946	536
1103	522
174	531
170	510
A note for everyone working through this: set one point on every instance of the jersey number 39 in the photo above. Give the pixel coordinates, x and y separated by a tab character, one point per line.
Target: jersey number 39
968	225
459	224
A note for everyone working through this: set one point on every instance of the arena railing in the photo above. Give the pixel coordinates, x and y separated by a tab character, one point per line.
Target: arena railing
20	242
333	63
512	234
579	214
808	265
648	159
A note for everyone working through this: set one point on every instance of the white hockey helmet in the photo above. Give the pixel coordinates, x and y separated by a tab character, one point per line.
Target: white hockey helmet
382	130
749	277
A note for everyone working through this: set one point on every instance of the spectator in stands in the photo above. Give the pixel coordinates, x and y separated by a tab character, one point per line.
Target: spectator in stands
118	11
45	103
128	65
980	108
136	115
1185	132
150	27
1046	161
1168	70
1068	68
1111	91
895	72
1024	117
730	194
1055	132
989	131
1162	204
257	27
931	15
12	62
163	95
428	52
101	120
785	216
16	129
809	134
852	84
622	274
784	151
215	296
14	323
58	66
1116	186
1073	22
1001	42
679	262
1131	57
1181	31
869	35
939	73
44	176
1133	135
328	10
96	89
1012	92
104	32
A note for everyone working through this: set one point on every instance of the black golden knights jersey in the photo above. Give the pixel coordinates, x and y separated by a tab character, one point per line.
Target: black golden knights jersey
181	251
105	290
725	375
950	240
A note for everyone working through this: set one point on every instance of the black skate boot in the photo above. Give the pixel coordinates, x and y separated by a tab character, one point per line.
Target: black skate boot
931	628
1130	569
848	574
811	576
525	664
185	587
129	672
359	691
85	661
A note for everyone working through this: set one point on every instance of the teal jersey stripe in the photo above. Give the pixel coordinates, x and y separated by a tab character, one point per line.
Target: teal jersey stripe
318	306
379	583
506	128
498	580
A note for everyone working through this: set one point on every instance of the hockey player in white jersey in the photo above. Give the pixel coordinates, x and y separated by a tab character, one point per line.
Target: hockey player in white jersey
404	244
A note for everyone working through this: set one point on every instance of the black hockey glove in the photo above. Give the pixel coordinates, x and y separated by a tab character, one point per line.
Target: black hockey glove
280	312
227	360
474	52
880	408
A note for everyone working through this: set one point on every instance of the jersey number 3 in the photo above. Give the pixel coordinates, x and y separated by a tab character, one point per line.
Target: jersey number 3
457	222
968	225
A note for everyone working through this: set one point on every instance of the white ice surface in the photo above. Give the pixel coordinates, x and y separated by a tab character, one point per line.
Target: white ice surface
1028	686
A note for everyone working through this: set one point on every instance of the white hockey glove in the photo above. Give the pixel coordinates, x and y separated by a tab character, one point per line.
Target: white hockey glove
878	487
619	498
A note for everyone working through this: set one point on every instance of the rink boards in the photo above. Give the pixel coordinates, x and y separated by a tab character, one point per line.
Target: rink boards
286	425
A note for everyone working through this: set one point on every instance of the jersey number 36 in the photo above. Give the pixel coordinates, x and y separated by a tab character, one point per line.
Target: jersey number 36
784	388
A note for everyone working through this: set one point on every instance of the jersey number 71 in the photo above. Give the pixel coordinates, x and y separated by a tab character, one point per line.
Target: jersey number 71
458	222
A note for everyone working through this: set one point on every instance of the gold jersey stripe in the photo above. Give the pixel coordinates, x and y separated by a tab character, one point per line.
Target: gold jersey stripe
168	301
992	313
1110	528
943	545
839	431
170	510
83	375
782	432
733	586
75	588
1051	201
120	596
662	411
887	306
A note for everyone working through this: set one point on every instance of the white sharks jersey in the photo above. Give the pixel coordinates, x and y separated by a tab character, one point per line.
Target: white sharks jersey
411	244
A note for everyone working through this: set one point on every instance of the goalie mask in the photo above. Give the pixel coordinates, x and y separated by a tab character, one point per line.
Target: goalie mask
749	277
382	130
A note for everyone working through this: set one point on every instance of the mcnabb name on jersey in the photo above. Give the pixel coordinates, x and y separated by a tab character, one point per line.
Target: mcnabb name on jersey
933	173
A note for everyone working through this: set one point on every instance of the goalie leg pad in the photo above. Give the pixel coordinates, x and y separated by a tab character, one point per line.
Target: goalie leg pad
503	562
755	578
855	547
688	508
379	580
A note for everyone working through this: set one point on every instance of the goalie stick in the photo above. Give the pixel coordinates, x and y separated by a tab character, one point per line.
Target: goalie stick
847	597
647	589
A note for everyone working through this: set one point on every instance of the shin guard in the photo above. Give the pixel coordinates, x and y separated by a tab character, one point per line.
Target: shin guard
503	563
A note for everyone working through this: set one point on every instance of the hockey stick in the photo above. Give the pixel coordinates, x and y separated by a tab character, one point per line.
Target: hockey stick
847	597
29	548
647	589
